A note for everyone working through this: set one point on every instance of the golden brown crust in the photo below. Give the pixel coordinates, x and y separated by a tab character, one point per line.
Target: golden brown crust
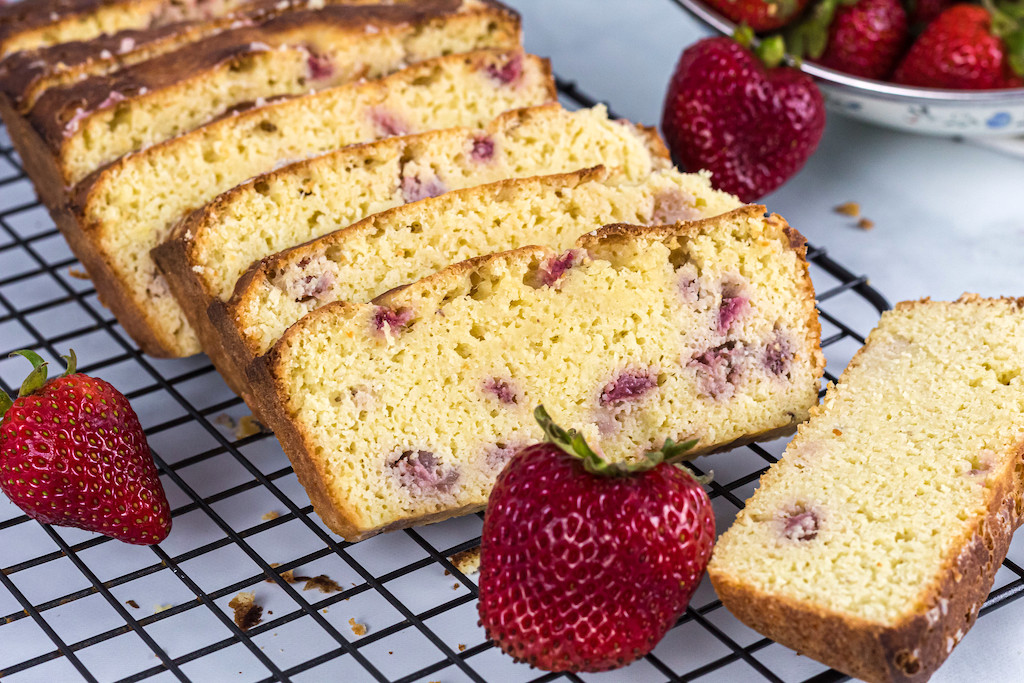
36	160
272	400
25	75
172	262
19	19
914	648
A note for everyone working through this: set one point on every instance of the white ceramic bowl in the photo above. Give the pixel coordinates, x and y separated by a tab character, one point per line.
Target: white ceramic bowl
929	111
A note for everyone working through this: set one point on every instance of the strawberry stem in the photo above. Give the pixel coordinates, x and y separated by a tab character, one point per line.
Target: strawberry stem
573	443
72	361
37	378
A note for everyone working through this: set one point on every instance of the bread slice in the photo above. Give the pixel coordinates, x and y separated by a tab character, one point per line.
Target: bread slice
404	412
871	545
125	210
26	74
90	123
207	253
409	242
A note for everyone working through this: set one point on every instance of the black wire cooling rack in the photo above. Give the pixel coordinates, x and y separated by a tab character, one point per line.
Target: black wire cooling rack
74	605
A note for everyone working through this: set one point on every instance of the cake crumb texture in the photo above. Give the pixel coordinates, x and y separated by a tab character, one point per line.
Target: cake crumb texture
404	411
131	206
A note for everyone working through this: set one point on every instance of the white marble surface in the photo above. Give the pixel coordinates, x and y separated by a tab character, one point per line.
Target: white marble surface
946	213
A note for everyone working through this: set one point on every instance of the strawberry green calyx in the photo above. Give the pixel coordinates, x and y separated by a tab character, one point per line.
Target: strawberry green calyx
573	443
37	378
809	37
1008	24
771	50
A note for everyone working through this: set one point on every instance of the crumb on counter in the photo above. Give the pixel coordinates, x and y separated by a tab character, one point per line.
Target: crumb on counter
462	647
865	224
248	426
273	514
247	612
357	628
851	209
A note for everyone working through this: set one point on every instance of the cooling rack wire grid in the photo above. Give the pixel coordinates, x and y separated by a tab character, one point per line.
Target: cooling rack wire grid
75	606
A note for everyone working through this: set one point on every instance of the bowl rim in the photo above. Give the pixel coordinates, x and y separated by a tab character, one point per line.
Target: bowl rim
884	89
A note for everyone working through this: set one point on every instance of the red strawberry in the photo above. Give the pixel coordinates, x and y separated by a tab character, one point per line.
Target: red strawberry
72	452
961	50
752	127
865	38
760	15
585	565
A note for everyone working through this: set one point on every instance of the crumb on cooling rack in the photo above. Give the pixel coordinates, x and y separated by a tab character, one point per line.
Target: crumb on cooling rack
462	647
322	583
357	628
851	209
226	421
157	609
132	604
247	612
865	224
78	274
273	514
467	562
247	426
288	575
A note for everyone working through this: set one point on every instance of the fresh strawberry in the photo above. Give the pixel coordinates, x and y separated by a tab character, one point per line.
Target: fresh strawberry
760	15
751	126
964	49
584	564
72	452
860	37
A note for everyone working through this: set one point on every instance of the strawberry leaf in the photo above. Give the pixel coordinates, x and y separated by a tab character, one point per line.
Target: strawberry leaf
37	378
573	443
809	38
72	363
5	403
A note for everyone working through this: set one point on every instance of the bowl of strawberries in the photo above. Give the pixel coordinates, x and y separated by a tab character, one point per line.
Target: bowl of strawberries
928	66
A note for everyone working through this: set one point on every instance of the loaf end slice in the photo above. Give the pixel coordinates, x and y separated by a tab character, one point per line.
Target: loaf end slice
872	544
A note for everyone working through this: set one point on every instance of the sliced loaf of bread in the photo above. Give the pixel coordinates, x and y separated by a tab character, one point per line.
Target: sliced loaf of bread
871	545
404	411
90	123
410	242
207	253
122	212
